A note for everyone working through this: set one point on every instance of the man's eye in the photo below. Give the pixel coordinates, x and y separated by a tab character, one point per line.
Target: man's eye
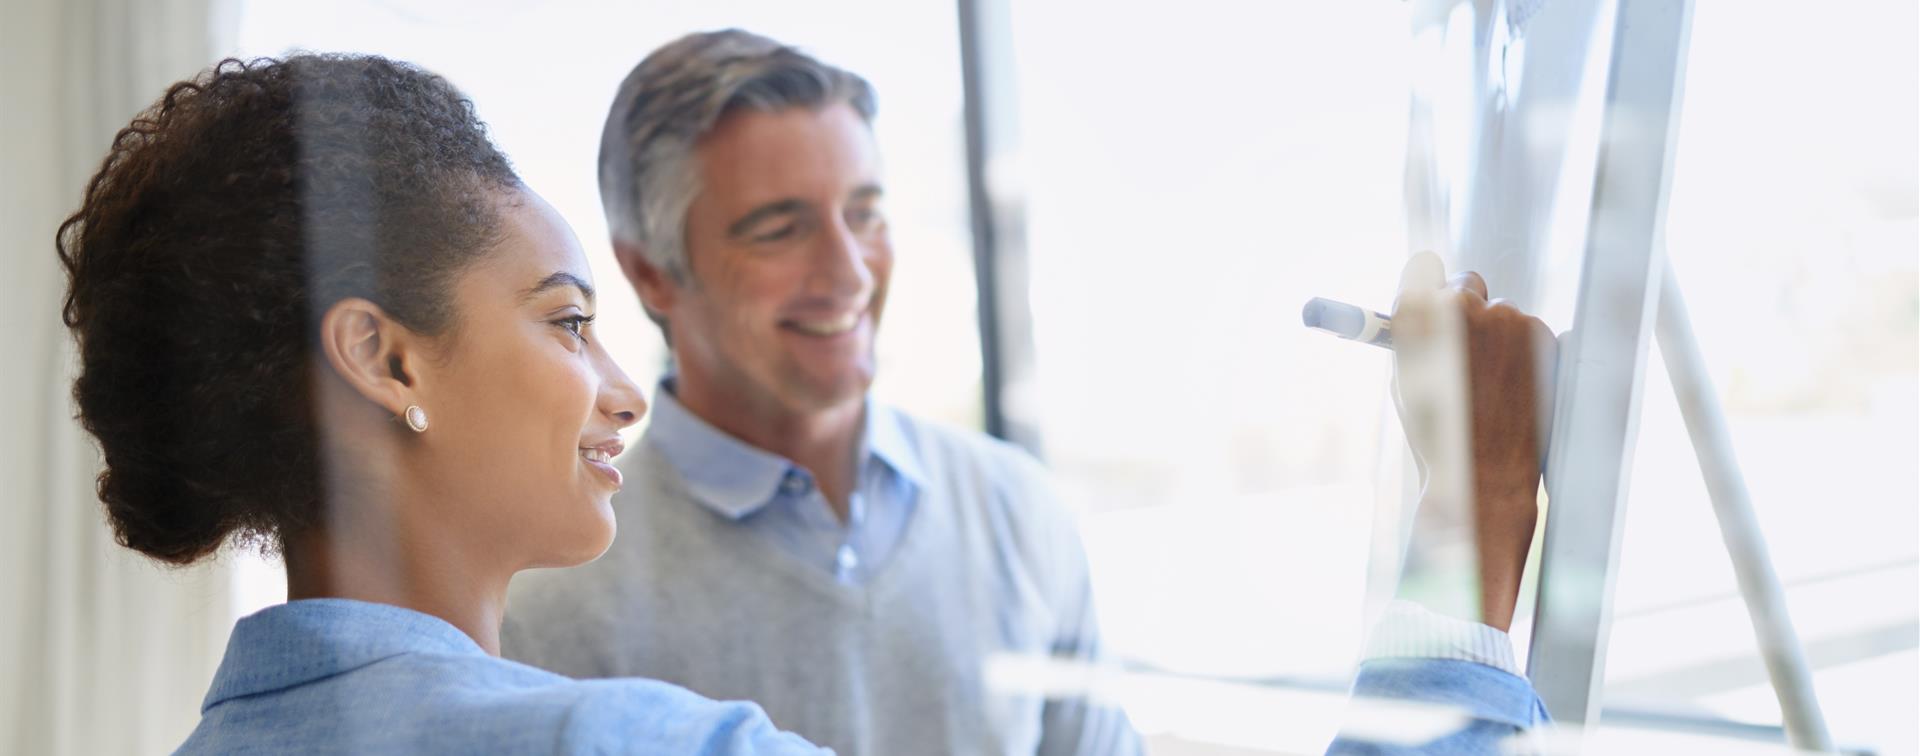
863	219
777	234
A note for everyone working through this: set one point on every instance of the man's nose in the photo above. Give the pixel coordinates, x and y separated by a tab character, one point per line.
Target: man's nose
840	266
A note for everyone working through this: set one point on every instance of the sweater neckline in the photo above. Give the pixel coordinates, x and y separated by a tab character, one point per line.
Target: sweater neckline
864	596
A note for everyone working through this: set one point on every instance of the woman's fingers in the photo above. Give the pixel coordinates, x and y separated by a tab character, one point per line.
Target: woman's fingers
1468	280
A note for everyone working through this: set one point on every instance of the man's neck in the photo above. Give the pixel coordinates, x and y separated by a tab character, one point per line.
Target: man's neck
825	442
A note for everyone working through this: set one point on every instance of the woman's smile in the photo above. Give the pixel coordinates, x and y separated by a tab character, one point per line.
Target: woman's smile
600	458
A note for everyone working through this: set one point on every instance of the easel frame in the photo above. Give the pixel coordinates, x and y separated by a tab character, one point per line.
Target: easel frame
1627	293
1603	358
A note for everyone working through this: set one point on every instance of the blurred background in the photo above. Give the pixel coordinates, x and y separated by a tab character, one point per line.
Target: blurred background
1171	182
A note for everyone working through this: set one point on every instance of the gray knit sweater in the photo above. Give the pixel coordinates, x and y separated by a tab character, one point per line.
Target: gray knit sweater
990	565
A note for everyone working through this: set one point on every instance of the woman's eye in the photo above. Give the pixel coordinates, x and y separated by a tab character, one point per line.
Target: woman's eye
576	325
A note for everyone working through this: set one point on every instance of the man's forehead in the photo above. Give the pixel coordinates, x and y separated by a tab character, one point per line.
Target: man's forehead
759	156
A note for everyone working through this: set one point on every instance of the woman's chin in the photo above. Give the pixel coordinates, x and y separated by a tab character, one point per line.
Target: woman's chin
586	542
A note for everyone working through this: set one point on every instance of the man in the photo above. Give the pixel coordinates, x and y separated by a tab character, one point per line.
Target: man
783	539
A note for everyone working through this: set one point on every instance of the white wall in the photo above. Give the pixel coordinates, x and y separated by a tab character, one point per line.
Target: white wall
103	652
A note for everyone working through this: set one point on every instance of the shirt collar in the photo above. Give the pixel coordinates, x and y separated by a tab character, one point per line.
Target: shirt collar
886	440
736	479
301	641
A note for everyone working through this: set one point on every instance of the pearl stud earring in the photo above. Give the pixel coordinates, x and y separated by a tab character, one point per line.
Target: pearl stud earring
416	418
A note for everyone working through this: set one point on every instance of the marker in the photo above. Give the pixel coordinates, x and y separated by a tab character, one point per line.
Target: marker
1349	322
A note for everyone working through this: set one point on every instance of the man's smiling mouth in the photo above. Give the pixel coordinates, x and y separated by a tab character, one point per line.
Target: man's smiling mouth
828	326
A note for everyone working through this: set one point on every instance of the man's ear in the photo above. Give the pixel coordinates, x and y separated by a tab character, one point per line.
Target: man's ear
658	289
372	352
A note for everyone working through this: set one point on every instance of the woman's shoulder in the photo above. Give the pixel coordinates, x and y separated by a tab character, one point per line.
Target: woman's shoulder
464	703
615	715
631	715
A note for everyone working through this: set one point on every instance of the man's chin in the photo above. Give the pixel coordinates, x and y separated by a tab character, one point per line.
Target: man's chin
826	393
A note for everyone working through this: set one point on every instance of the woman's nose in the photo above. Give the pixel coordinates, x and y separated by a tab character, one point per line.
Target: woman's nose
620	399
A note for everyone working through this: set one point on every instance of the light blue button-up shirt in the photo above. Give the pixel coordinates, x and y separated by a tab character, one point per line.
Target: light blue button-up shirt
780	503
328	676
324	676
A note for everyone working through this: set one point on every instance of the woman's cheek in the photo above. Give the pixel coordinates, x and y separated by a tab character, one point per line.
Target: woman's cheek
570	389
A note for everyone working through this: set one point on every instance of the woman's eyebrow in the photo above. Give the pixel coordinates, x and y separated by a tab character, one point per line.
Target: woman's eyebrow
556	280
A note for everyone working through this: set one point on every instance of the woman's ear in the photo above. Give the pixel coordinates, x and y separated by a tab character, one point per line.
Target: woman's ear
371	352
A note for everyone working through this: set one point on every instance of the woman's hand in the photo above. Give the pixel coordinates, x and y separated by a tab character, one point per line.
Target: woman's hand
1473	381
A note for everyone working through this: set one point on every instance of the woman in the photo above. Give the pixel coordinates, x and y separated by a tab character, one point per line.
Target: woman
318	311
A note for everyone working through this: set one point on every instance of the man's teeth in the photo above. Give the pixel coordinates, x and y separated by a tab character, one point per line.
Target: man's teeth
828	327
596	455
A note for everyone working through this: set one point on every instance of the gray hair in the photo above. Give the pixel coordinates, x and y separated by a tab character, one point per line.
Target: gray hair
648	175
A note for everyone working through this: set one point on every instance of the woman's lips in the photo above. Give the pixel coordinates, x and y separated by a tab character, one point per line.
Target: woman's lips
600	458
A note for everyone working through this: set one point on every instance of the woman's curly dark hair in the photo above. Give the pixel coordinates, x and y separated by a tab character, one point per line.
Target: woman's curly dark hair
225	219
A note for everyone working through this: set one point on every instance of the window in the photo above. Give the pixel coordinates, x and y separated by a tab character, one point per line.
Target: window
1195	173
1792	230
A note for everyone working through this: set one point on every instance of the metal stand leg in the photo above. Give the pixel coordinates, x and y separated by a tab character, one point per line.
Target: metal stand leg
1759	586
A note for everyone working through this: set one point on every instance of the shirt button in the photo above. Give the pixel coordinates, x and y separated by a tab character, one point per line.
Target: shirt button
795	484
847	559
